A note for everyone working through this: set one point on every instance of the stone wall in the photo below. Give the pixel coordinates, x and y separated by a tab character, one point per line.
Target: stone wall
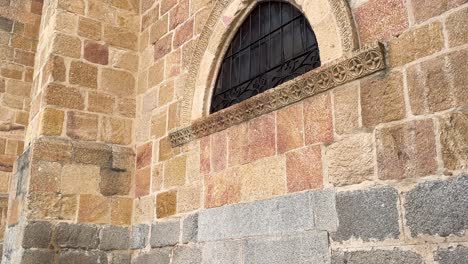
371	170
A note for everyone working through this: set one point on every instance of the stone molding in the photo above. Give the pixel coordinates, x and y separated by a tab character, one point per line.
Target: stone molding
340	11
360	64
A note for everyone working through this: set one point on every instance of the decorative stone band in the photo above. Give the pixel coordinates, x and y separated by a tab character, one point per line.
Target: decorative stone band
361	63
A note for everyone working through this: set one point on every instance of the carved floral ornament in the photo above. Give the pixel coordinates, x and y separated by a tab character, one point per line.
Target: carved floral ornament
360	64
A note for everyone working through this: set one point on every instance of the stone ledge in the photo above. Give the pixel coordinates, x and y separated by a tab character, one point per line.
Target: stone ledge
360	64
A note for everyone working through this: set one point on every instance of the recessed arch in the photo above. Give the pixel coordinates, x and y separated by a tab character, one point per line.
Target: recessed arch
330	19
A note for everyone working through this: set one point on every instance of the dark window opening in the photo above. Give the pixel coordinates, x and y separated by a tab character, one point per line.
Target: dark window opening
274	44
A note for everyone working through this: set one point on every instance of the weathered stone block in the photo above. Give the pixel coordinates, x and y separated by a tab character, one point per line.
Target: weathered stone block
114	238
143	182
121	210
166	204
92	153
286	214
454	139
115	182
190	228
83	74
406	150
121	258
89	28
175	171
163	46
218	151
305	248
179	14
226	252
423	10
67	46
346	108
159	255
120	83
438	207
457	255
290	128
377	23
82	257
45	176
395	256
120	37
94	209
187	255
416	44
101	103
382	99
165	233
72	6
34	256
116	130
304	169
351	160
318	120
223	188
77	236
367	214
82	126
323	203
52	122
6	24
63	96
183	33
139	236
37	235
144	155
457	29
261	135
96	53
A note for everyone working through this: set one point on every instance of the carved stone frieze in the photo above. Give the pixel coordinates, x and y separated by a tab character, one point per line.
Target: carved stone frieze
361	63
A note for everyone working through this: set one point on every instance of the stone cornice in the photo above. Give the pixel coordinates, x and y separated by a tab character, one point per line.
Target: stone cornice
360	64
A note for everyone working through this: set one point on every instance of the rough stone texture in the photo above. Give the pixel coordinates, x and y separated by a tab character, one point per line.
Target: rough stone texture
406	150
304	169
83	74
350	160
114	238
280	215
261	135
382	99
438	207
115	182
226	252
307	248
346	108
324	206
290	127
174	171
63	96
454	139
190	228
77	236
395	256
121	258
120	83
34	256
166	204
37	235
165	233
424	10
52	122
139	236
160	256
82	257
367	214
417	43
457	255
456	27
318	120
96	53
377	23
82	126
187	255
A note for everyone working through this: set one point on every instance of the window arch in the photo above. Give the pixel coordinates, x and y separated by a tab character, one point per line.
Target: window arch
274	44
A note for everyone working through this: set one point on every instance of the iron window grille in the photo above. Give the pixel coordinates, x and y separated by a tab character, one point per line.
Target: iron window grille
274	45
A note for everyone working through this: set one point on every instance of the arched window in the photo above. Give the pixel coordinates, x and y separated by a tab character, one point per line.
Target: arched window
274	44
